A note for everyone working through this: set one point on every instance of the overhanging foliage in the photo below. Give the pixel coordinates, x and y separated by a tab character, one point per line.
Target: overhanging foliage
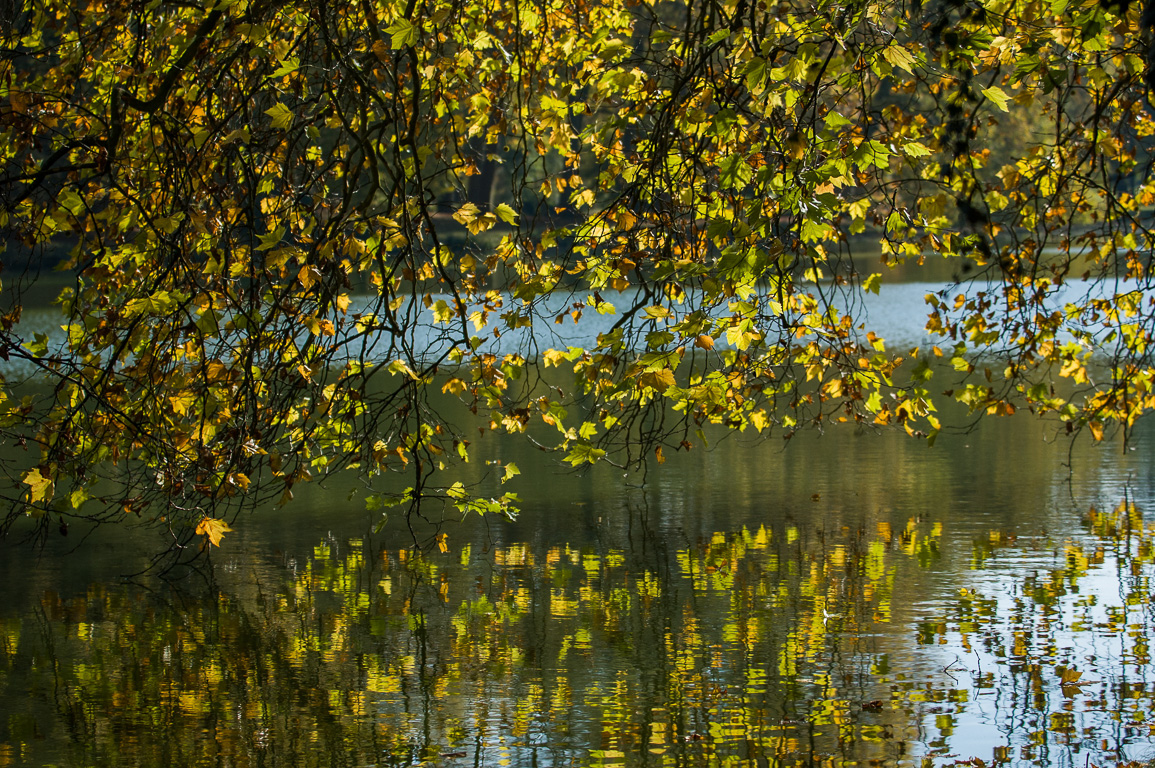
290	228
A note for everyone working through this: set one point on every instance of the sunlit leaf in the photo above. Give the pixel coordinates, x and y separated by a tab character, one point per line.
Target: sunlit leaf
213	529
281	115
40	485
998	97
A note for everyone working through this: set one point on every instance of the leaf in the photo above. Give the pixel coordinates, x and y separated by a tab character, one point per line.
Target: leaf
511	471
660	380
872	153
466	214
734	171
213	528
282	116
755	73
834	120
871	283
481	223
159	303
506	213
997	97
759	419
1096	430
583	453
308	276
442	313
443	542
180	403
41	485
899	57
718	36
288	66
402	33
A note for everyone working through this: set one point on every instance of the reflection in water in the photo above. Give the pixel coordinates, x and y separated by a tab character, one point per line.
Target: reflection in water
775	644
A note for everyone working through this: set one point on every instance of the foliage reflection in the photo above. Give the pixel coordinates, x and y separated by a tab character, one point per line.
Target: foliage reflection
781	645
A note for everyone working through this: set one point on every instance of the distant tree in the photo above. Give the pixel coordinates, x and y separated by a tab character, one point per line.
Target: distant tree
289	228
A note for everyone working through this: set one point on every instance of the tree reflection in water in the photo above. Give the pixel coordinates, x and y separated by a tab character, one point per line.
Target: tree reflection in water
776	646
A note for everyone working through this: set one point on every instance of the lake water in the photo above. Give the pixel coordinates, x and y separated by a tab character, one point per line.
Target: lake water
849	598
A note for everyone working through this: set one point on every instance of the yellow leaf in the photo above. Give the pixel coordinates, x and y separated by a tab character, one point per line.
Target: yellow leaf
506	214
454	385
213	528
553	357
40	485
308	276
998	97
282	116
180	403
442	313
466	213
899	57
443	542
481	223
759	420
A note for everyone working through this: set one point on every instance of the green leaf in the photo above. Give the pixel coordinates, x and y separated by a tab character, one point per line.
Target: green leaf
511	471
915	149
583	453
288	66
872	153
755	73
834	120
734	172
719	36
402	33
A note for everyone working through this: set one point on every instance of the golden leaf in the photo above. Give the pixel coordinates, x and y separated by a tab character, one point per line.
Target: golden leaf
214	529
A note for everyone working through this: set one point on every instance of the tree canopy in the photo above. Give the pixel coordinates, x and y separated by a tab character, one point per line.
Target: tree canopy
289	231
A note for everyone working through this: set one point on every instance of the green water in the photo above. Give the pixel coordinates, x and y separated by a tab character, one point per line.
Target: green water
847	598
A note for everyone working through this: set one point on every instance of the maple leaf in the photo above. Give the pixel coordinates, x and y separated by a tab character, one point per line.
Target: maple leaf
213	528
40	485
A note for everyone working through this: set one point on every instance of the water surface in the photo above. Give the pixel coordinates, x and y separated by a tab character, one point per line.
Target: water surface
848	598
